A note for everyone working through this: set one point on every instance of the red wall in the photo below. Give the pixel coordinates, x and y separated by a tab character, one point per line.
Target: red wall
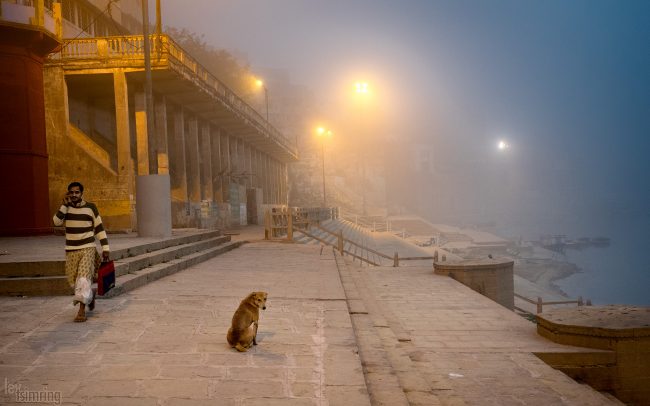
24	206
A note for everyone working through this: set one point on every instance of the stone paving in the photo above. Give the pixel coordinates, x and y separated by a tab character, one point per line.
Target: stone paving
420	339
164	344
444	339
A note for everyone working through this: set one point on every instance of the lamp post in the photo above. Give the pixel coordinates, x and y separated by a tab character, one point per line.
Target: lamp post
322	133
261	84
361	88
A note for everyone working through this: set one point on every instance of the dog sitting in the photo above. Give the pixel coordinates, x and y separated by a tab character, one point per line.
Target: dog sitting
243	332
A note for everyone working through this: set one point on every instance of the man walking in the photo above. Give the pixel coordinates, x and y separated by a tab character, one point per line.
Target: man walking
82	224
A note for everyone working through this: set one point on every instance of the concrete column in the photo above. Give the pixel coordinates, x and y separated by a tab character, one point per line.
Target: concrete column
283	182
217	173
224	148
142	138
267	176
162	153
258	172
241	166
56	127
177	158
272	181
192	163
207	192
269	164
276	179
249	165
244	150
122	127
234	162
154	206
241	151
263	178
280	182
125	171
254	171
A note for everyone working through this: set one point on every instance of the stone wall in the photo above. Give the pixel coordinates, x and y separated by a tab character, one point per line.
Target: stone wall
490	277
70	160
625	330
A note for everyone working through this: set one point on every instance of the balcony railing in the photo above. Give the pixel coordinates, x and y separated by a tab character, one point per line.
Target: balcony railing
165	51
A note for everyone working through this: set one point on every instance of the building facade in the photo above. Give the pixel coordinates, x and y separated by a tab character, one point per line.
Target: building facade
224	161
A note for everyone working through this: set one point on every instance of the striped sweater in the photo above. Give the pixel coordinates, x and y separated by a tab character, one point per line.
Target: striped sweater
82	224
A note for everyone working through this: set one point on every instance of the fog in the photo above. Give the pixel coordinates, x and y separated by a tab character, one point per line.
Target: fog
565	84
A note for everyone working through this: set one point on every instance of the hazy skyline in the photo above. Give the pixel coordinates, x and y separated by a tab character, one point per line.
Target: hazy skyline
566	83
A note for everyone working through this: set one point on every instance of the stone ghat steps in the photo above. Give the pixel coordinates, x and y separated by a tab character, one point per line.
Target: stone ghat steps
146	259
155	259
390	375
137	277
351	231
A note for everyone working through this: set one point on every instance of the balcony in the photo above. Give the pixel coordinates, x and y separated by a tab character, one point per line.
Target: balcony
29	14
180	78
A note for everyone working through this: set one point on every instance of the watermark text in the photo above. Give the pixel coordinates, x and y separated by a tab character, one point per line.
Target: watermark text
22	394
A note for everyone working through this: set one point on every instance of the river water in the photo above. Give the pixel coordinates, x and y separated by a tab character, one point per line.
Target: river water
615	274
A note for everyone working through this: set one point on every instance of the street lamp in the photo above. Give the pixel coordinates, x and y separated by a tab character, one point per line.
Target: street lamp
261	84
361	88
323	133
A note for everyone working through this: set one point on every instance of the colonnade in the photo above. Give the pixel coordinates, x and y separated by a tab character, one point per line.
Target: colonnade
203	161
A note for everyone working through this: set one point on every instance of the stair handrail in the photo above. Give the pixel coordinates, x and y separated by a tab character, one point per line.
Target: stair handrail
540	303
281	222
341	243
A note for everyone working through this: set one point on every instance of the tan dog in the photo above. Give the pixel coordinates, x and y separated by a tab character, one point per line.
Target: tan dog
243	332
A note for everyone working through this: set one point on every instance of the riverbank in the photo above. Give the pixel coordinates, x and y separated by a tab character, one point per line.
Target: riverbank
546	272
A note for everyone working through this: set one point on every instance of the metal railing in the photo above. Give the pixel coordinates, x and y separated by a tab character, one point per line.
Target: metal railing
164	52
280	225
281	222
372	223
540	303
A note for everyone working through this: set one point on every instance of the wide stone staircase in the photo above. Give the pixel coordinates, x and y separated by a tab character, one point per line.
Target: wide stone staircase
361	242
356	237
135	265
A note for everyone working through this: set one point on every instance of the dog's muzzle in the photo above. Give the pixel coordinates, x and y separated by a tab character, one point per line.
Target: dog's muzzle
263	307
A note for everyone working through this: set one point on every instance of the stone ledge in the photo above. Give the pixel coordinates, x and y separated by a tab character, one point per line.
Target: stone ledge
597	321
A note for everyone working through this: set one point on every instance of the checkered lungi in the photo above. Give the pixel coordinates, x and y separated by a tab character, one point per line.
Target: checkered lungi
81	269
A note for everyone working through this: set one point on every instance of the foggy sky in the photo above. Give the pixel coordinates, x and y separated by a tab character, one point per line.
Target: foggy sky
566	83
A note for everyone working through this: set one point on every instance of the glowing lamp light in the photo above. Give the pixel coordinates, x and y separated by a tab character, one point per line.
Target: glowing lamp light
362	87
322	131
259	82
503	145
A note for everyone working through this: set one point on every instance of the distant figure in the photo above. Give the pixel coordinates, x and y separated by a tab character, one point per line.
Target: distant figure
490	256
435	256
82	224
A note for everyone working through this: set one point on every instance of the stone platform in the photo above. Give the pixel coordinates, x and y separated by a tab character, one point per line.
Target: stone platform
333	334
624	330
